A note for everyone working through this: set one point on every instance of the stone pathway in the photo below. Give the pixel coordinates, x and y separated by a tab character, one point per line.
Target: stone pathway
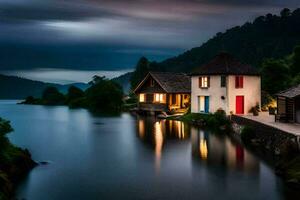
269	120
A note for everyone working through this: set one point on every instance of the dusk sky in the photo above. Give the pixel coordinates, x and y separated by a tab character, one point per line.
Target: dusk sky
38	36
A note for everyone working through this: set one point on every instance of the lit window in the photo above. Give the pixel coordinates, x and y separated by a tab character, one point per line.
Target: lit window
142	97
159	98
204	82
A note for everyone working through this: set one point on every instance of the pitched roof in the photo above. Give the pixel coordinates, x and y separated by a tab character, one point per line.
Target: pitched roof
170	82
291	92
225	64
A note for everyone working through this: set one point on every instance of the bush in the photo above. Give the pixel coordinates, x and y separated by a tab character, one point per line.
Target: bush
104	96
247	134
51	96
4	127
78	103
74	93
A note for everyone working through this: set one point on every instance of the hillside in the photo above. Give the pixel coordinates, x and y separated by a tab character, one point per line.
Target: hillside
269	36
124	81
12	87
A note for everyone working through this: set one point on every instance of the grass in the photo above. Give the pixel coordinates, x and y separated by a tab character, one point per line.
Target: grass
217	121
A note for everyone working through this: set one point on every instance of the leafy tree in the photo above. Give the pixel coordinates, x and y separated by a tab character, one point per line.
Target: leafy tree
104	96
295	66
275	76
142	68
4	127
74	93
285	12
51	96
270	36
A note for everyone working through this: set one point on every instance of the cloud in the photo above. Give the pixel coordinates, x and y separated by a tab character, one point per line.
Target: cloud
64	76
158	28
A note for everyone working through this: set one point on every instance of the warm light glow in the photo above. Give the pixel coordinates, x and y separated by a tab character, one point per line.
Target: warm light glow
202	103
204	81
159	98
141	128
203	150
159	139
142	97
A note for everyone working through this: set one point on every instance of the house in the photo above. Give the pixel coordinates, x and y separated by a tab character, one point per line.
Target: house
288	105
225	83
164	91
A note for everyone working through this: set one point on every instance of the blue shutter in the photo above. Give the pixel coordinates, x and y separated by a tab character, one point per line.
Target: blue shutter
206	104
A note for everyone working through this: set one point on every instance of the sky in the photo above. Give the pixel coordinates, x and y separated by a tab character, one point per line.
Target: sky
40	37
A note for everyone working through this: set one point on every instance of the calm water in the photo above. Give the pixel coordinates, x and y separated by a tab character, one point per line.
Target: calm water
127	157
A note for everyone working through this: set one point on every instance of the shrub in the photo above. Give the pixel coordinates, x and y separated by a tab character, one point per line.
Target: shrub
247	134
51	96
74	93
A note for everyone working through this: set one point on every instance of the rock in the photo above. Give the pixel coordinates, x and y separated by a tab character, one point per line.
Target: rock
277	151
44	163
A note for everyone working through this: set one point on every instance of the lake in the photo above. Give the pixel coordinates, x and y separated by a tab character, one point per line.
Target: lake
130	157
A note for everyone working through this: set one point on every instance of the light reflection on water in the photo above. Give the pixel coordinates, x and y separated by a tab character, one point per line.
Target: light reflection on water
208	148
129	157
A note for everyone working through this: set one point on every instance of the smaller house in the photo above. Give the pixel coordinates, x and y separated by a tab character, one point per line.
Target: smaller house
225	83
164	91
288	105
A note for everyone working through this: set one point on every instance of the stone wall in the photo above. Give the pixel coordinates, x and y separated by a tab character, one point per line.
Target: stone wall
269	137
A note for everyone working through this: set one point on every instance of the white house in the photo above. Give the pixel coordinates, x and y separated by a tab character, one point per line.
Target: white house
227	84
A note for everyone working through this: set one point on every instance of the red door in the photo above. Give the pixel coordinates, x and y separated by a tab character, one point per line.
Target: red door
239	105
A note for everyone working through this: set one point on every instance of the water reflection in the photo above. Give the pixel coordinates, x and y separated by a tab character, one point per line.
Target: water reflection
211	149
221	151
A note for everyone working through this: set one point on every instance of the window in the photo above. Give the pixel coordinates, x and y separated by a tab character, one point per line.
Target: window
142	98
204	82
159	98
203	104
151	82
223	81
239	82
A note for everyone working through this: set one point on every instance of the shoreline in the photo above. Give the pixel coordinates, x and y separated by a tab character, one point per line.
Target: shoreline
15	163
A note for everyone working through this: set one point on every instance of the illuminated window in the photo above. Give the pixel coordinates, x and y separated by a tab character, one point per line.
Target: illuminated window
159	98
142	97
204	82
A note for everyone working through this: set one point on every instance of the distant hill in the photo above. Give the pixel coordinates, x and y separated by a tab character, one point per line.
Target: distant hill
269	36
124	81
12	87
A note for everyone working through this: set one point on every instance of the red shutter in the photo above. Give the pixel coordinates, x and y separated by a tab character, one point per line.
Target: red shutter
241	81
236	82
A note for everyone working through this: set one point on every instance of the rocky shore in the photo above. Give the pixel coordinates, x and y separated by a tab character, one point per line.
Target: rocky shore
15	163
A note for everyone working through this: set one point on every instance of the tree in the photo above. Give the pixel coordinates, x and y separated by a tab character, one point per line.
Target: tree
105	96
295	66
275	76
51	96
142	68
74	93
4	127
285	12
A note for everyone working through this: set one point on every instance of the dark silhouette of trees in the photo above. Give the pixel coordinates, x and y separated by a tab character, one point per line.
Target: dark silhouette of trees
142	68
51	96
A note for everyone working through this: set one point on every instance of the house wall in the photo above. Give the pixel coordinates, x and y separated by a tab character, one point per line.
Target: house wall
251	91
297	109
215	92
